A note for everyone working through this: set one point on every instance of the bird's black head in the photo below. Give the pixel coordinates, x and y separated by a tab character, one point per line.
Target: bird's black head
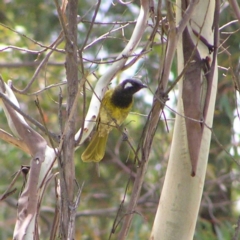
123	94
131	86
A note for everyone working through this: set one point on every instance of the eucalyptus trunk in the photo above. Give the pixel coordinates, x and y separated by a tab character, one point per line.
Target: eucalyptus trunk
182	191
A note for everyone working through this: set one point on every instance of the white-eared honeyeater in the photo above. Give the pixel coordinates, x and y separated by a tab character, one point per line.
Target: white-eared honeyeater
115	106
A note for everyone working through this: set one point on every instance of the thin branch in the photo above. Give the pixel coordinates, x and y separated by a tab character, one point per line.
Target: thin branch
104	36
28	38
39	68
91	25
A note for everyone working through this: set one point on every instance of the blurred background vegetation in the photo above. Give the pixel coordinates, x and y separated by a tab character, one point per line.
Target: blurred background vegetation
24	25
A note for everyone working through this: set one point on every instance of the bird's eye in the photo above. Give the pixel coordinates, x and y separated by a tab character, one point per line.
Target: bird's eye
128	85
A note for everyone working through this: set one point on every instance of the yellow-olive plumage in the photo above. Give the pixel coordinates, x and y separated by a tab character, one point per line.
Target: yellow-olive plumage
115	106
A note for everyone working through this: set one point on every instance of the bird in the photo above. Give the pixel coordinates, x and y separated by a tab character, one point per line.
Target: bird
114	109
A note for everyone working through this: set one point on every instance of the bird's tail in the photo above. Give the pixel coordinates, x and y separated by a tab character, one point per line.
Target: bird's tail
96	149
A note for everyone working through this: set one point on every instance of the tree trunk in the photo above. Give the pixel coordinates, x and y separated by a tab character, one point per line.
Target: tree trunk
67	176
181	195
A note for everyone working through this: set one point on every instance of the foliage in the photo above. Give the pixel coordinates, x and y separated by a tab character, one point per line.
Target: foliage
31	25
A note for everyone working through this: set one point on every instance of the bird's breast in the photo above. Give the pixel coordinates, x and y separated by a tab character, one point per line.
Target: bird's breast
111	114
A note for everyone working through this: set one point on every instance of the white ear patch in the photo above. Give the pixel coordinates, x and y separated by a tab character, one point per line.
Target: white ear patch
128	85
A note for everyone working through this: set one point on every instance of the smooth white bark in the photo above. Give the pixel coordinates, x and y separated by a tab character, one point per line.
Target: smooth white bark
181	194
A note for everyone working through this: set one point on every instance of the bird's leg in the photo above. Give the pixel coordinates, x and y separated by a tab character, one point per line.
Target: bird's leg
124	135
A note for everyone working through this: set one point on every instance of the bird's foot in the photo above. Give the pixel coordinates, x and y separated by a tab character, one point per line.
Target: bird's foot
124	136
